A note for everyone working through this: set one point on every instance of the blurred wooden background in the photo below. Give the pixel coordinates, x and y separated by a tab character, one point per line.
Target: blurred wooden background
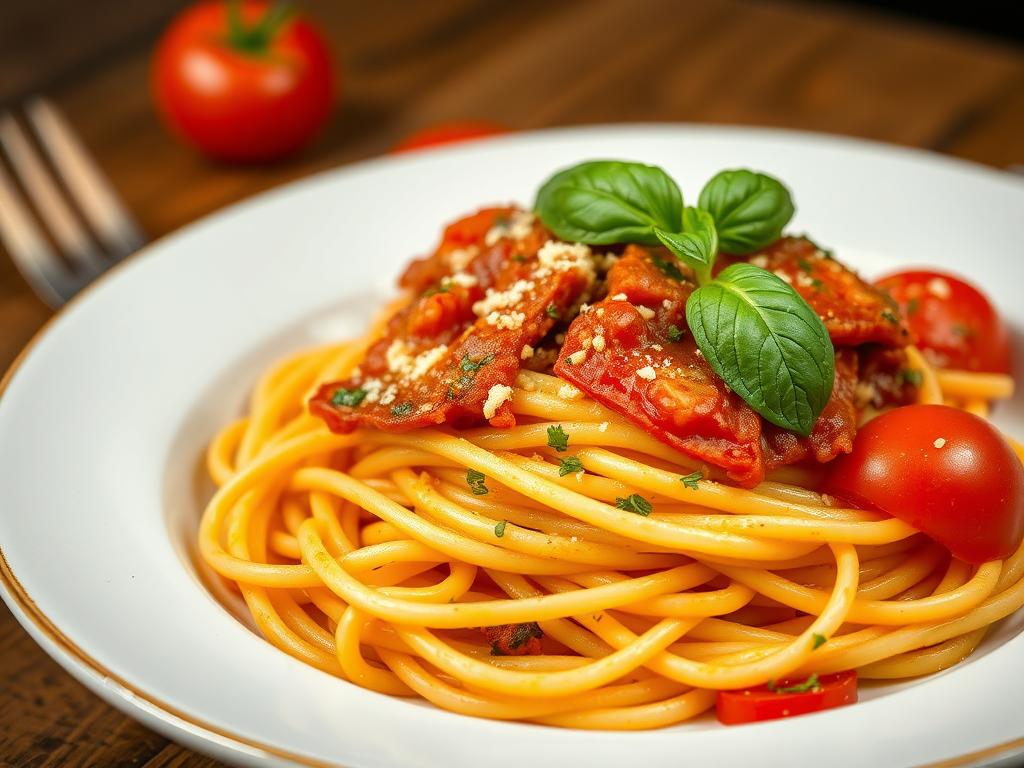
405	65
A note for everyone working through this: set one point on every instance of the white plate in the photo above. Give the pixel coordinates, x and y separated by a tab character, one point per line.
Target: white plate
103	423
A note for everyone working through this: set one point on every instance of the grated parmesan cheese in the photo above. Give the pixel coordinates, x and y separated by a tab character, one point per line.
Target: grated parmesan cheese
512	321
496	396
518	226
577	357
647	373
459	259
526	353
463	279
645	312
569	392
620	297
598	343
495	300
603	426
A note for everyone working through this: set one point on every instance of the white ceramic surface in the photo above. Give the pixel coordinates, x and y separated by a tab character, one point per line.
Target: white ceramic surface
103	424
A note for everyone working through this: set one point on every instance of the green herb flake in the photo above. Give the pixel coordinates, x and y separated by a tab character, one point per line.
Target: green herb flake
810	684
691	480
668	268
570	465
674	333
518	258
805	265
552	312
912	377
499	529
912	306
819	640
469	365
818	285
348	397
523	633
475	481
402	409
558	439
890	317
635	503
962	331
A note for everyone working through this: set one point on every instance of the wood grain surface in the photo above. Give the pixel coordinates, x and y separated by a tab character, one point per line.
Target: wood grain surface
405	65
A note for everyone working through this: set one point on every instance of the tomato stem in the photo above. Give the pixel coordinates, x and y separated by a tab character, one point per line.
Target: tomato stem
256	39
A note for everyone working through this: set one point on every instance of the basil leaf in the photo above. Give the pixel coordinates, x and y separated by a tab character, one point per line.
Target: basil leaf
697	244
766	343
750	209
608	201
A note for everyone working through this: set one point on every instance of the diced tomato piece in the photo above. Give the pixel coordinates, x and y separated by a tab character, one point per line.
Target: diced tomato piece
452	356
854	312
833	432
753	705
663	385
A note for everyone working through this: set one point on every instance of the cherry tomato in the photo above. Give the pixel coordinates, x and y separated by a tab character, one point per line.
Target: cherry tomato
955	324
763	703
448	133
946	472
243	81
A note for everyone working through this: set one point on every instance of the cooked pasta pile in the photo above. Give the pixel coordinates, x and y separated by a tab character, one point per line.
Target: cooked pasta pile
370	557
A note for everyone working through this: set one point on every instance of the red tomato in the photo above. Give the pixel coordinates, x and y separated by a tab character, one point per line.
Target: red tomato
253	86
954	322
448	133
944	471
762	703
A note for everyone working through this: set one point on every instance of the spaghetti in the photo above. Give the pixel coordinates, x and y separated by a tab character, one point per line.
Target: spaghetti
518	505
368	556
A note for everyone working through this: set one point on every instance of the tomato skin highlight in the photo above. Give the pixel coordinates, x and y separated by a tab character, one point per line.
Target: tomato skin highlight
239	105
448	133
753	705
954	322
946	472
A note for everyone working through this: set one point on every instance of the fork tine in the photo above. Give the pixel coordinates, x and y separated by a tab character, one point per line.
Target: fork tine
89	187
72	238
29	249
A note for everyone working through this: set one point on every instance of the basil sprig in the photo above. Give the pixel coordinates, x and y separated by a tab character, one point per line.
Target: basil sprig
766	343
750	209
755	331
606	201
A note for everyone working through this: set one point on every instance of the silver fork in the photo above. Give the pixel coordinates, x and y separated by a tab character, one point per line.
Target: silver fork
55	185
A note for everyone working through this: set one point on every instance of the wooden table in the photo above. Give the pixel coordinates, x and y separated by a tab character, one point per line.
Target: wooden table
405	65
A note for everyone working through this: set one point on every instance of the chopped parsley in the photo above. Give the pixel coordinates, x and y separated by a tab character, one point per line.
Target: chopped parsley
691	480
668	268
523	632
570	465
890	316
674	333
470	368
558	439
912	377
912	306
810	684
475	481
441	287
819	640
805	265
348	397
963	331
817	284
635	503
552	312
499	529
469	365
402	409
518	258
